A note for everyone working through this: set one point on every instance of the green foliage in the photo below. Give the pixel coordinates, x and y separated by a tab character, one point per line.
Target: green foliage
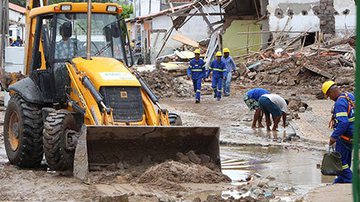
18	2
127	10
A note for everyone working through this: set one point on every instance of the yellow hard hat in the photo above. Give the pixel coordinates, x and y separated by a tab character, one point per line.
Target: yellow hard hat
226	50
197	51
326	86
218	54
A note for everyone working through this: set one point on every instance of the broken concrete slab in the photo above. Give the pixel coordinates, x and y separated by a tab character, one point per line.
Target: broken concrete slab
319	71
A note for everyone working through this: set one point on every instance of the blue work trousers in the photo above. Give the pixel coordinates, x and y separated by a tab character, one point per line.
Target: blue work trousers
345	149
197	88
226	83
217	82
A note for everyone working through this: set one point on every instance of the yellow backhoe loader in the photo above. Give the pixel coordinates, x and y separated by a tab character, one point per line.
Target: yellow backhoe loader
81	105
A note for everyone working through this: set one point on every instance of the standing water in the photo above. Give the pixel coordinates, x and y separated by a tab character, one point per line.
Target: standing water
289	167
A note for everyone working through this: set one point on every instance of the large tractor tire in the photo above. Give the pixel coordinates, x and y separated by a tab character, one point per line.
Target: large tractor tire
23	127
59	139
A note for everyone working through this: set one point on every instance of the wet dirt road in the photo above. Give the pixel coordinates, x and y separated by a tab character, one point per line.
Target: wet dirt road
254	152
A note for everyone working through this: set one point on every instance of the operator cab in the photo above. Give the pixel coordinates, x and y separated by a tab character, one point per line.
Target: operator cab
59	34
106	37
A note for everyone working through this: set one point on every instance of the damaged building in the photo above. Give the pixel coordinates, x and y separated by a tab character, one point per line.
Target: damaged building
161	27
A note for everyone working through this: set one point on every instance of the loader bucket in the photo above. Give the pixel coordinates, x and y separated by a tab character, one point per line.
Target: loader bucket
106	145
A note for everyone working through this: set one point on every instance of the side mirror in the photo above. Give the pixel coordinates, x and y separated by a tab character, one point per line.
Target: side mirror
107	33
115	31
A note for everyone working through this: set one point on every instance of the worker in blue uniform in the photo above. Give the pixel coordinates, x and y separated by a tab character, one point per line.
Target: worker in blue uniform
343	124
218	69
197	72
230	69
251	99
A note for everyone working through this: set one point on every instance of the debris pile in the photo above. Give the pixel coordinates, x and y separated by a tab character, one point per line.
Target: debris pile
164	84
178	172
189	168
307	67
256	189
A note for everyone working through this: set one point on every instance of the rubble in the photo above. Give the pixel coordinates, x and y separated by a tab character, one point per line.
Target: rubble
307	67
165	84
261	189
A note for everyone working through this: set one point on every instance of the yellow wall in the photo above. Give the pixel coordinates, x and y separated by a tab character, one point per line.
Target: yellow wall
234	41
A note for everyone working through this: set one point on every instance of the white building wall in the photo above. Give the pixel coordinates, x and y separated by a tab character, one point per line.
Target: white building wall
146	7
297	22
345	24
196	29
17	21
16	17
309	22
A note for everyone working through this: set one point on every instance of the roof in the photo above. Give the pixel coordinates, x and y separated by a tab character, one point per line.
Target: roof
164	12
17	8
182	9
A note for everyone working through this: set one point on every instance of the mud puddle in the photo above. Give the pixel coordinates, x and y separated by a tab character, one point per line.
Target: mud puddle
294	169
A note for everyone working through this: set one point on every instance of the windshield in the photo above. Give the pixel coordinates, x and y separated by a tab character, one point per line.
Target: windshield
106	36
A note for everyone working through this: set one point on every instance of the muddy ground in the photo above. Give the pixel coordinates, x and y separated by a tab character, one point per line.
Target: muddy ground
259	165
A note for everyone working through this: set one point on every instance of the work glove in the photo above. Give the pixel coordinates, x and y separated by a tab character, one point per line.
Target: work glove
330	148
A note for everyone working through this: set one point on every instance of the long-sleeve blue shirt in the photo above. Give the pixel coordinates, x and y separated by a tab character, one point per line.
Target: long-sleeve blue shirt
196	69
218	68
343	116
256	93
229	63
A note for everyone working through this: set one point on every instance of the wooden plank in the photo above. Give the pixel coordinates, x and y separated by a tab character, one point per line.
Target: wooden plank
185	40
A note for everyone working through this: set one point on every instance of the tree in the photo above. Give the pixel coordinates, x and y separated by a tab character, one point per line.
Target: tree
127	10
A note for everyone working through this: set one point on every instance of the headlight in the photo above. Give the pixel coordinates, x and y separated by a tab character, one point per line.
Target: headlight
111	8
65	7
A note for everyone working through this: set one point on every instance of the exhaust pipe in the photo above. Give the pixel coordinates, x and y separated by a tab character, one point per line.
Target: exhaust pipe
88	39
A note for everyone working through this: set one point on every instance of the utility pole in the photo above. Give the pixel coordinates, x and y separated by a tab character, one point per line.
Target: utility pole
4	27
4	15
88	40
2	34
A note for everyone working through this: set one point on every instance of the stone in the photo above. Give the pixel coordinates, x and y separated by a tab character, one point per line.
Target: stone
204	158
344	80
271	178
268	78
121	179
197	199
251	75
182	157
213	198
193	157
121	198
302	109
